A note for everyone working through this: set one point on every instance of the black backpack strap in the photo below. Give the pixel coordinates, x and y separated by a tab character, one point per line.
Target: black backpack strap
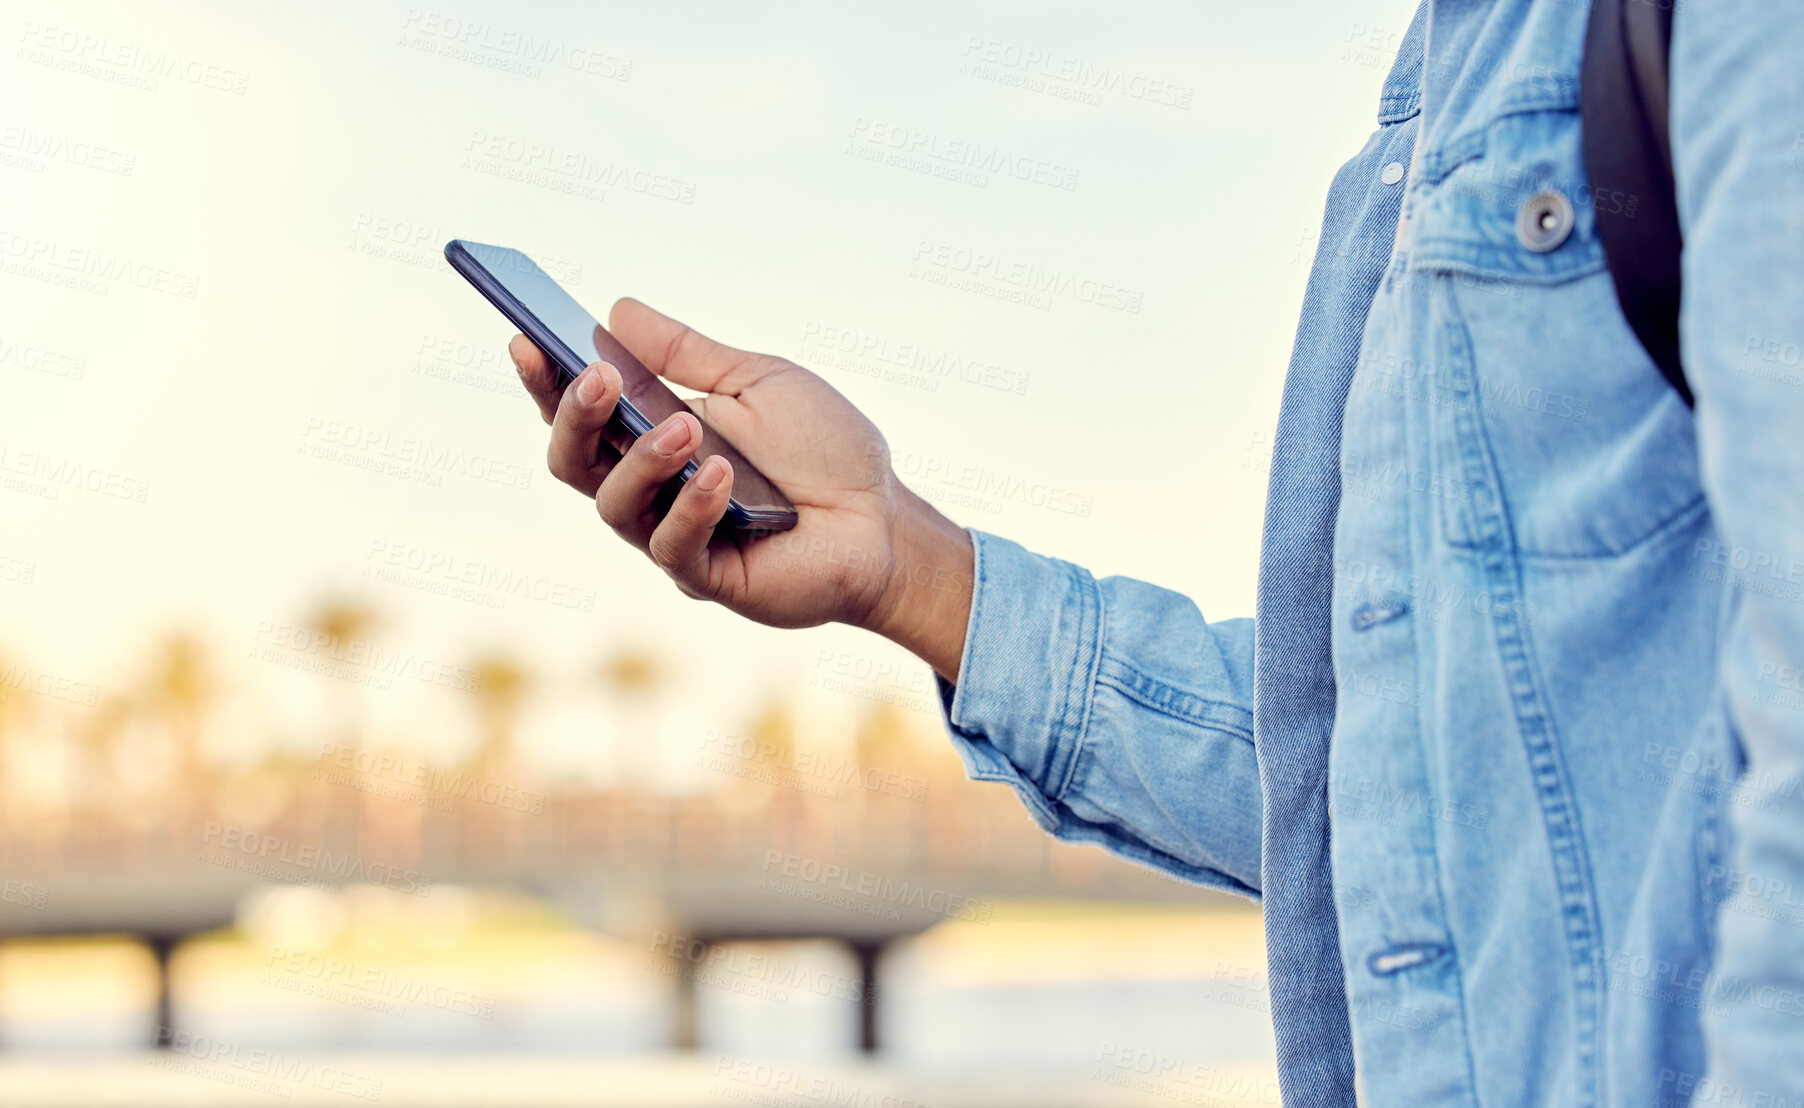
1628	152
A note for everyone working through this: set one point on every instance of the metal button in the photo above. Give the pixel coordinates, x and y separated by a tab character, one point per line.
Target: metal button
1392	173
1544	221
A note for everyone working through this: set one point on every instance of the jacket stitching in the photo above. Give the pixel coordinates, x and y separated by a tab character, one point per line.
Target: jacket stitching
1169	700
1534	724
1091	616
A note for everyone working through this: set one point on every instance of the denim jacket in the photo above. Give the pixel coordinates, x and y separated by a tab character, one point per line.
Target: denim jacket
1513	751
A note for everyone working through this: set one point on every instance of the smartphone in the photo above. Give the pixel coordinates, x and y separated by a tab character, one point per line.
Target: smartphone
572	339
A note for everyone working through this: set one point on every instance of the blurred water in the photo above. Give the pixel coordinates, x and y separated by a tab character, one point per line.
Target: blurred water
1071	1028
798	1000
1041	1006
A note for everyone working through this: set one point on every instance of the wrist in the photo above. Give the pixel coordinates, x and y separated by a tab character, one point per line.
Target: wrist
927	602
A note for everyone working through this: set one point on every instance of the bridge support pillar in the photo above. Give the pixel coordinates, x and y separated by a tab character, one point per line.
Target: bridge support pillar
867	952
162	947
687	963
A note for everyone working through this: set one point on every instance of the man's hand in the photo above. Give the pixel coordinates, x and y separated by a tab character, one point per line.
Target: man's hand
864	551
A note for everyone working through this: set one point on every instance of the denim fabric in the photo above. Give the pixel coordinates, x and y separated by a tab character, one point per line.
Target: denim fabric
1513	752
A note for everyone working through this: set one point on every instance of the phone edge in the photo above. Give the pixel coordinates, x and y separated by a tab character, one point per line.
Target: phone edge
472	270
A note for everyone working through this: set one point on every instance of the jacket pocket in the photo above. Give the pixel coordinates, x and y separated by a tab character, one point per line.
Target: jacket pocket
1547	402
1511	204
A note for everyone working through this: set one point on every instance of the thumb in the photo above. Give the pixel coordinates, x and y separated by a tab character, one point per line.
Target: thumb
682	354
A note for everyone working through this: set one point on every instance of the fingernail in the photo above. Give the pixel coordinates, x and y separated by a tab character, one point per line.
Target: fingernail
713	471
671	437
591	386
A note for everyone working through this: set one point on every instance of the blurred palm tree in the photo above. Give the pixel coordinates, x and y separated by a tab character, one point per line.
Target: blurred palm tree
635	677
883	740
795	816
95	740
773	739
501	686
344	622
179	695
342	619
16	713
632	671
15	710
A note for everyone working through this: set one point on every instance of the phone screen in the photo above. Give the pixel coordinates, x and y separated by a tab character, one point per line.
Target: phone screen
553	319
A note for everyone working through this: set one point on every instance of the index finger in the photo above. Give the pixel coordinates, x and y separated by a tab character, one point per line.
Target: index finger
541	378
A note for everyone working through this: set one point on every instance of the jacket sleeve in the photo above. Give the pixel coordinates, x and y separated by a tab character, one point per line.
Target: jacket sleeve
1738	149
1118	714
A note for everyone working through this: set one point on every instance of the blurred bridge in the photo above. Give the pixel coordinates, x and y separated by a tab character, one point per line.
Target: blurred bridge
771	854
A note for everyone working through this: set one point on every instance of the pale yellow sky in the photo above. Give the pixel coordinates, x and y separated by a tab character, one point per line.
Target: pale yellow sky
226	218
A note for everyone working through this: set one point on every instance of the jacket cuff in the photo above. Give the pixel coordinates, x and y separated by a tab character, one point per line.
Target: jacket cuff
1025	679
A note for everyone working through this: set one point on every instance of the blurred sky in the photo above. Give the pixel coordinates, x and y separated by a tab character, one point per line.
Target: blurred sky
305	203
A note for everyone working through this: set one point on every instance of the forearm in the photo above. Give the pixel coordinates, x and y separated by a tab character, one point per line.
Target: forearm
927	605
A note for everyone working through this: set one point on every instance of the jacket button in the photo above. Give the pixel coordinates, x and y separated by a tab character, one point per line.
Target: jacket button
1544	221
1392	173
